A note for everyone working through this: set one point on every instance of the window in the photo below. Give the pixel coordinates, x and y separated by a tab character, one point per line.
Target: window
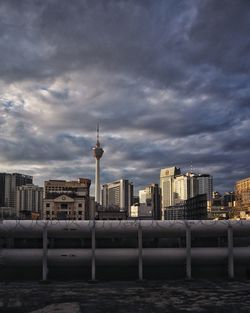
80	205
47	212
47	205
80	212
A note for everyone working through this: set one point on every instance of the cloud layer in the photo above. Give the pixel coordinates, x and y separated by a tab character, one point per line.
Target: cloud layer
168	80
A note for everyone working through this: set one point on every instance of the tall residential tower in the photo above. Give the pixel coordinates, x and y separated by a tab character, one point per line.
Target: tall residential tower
98	152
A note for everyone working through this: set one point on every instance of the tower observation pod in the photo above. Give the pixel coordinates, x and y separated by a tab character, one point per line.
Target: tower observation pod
97	152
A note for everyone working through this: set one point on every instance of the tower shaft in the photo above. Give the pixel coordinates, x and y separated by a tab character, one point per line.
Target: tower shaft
97	152
97	180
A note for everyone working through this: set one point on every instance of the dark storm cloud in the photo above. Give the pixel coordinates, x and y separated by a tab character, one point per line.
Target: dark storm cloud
219	33
169	81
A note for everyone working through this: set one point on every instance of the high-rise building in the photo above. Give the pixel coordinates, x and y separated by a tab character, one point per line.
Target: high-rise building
150	201
193	184
181	188
167	177
2	189
98	152
29	200
185	187
205	185
176	188
242	197
9	183
67	199
118	195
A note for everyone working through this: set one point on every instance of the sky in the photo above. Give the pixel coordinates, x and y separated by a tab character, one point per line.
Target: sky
168	80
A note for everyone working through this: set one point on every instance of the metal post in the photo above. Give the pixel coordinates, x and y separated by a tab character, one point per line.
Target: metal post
230	252
140	265
45	252
188	252
93	242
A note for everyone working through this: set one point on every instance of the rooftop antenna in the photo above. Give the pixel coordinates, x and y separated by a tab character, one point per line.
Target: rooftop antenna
97	134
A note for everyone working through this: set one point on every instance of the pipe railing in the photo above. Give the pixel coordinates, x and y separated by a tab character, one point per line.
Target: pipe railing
140	256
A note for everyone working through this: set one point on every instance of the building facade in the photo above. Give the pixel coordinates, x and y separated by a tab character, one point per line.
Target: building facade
118	195
194	208
181	188
205	185
29	200
242	197
167	176
150	202
8	186
177	188
67	199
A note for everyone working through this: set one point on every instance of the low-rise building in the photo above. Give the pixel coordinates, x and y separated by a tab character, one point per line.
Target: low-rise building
194	208
67	200
64	207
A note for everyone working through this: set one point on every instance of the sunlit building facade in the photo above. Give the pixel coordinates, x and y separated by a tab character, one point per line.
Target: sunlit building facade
242	197
167	176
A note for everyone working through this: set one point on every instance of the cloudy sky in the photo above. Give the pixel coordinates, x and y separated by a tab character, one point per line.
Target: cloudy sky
168	81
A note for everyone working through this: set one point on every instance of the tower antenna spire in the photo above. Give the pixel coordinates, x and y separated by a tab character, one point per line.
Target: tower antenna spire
97	130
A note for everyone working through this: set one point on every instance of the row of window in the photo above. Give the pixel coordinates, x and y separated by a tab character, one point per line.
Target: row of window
79	205
68	213
53	218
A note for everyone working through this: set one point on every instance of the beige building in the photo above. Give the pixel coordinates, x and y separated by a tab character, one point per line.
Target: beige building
167	176
66	199
242	197
65	208
80	186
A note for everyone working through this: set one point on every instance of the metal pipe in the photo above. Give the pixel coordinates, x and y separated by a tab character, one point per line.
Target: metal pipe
126	228
140	265
188	252
230	252
45	252
123	257
93	252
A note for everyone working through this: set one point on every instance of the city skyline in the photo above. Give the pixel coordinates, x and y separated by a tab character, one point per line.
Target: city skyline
168	82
